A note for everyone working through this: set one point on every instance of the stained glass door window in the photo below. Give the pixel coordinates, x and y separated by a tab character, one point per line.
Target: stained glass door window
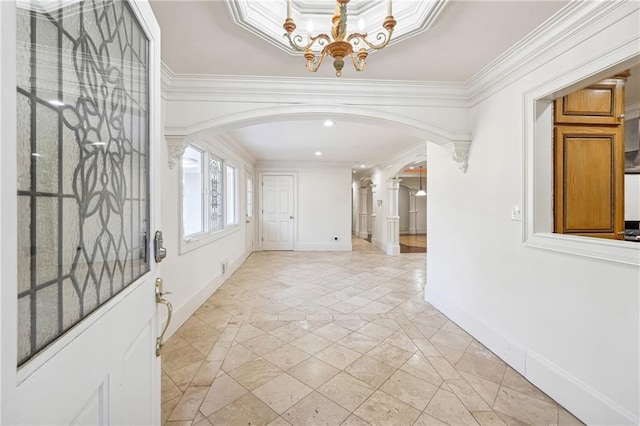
83	144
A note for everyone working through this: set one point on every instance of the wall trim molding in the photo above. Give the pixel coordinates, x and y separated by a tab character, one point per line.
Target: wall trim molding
573	394
298	90
595	408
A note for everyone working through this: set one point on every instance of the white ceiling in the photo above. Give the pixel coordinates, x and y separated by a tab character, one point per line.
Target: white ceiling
353	143
200	37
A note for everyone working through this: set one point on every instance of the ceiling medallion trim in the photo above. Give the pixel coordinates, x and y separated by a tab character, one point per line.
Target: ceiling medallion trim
265	21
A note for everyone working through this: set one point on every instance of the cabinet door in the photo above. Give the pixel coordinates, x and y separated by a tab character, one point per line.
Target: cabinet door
601	103
589	179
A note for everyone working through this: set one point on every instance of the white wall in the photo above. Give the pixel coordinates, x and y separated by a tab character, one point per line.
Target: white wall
323	207
569	323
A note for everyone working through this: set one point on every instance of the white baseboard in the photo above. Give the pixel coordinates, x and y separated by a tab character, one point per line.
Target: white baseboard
592	407
378	244
583	401
183	312
330	246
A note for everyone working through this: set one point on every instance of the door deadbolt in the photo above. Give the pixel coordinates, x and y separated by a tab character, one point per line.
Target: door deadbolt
158	249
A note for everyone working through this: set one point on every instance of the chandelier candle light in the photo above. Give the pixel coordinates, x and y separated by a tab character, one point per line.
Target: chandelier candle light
339	44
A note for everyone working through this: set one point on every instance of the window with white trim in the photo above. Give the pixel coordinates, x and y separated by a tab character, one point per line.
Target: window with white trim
216	195
231	216
209	194
192	189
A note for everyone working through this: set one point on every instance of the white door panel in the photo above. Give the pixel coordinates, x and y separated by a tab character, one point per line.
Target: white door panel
277	216
79	316
93	413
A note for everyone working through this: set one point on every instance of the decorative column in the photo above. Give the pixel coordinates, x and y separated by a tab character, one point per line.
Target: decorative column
393	219
363	213
413	213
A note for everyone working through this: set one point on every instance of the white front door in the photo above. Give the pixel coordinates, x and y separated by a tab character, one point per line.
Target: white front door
79	210
249	213
277	212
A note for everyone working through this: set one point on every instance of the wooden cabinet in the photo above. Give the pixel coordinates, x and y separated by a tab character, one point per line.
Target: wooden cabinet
589	160
589	190
601	103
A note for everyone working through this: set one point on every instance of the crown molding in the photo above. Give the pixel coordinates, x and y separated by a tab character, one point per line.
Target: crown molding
563	30
220	88
559	33
166	77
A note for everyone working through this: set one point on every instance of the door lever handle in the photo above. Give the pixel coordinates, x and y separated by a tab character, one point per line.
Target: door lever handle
162	301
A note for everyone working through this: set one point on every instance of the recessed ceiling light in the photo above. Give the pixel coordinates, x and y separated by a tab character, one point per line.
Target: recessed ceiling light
328	123
318	153
362	166
56	102
353	171
35	154
412	167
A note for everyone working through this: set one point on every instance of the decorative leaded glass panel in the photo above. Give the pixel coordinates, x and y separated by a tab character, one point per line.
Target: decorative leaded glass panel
82	155
215	192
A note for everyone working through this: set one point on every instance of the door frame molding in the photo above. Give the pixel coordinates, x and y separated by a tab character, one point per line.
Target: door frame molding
251	227
259	214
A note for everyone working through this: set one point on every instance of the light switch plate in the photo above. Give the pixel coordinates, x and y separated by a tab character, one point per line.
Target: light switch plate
516	213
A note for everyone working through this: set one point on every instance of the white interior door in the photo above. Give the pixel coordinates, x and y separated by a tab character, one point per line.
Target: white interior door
277	212
79	318
249	213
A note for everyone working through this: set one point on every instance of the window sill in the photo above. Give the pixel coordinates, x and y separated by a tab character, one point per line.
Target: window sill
617	251
200	240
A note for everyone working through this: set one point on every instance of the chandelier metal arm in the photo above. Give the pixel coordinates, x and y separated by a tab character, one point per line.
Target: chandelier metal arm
359	63
313	63
383	38
321	39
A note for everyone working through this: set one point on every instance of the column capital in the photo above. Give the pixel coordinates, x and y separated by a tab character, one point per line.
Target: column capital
459	151
176	145
394	183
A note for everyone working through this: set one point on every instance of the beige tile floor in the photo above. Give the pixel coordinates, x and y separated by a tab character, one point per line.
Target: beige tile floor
337	339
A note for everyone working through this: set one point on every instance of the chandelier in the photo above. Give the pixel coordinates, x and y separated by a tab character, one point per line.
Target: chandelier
339	44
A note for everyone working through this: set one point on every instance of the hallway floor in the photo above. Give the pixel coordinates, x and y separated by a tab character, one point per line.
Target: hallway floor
413	243
337	338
